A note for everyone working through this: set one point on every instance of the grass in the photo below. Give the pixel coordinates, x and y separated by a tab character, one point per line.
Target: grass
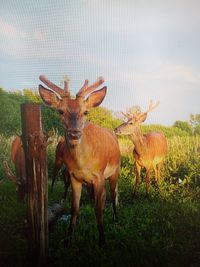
162	230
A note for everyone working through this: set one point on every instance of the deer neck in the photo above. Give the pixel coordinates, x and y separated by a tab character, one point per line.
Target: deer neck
78	151
138	140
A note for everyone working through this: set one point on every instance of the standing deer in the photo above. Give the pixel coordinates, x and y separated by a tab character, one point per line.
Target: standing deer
149	149
91	153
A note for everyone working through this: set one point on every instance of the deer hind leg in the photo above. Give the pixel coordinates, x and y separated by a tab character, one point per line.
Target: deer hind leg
147	180
138	179
113	180
100	197
158	167
67	182
76	194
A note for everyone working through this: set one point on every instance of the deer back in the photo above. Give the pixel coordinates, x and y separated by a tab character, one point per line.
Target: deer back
153	149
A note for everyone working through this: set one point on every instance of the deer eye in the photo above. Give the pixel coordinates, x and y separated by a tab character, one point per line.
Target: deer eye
131	123
61	112
86	112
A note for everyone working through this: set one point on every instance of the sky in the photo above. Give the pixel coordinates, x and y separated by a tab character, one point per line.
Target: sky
144	50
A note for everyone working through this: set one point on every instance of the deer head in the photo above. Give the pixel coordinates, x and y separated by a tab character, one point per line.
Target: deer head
131	126
73	111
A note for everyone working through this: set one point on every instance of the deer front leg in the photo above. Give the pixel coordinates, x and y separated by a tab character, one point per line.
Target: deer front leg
137	181
67	182
57	167
76	194
100	197
113	180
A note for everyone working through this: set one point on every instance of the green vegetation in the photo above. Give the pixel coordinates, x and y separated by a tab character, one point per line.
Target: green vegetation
11	123
163	230
10	113
183	125
160	231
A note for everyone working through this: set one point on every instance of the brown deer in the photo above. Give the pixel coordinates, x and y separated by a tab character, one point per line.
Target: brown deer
91	153
18	158
149	149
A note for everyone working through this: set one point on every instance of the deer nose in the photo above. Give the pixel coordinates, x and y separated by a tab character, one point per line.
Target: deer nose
117	131
74	134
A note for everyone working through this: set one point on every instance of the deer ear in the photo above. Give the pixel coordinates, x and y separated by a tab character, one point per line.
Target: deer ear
95	99
49	97
142	117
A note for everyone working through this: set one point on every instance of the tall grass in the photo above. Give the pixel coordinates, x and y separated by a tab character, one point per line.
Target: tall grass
183	156
163	230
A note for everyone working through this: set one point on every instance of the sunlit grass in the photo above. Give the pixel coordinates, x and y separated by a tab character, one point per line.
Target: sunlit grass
162	230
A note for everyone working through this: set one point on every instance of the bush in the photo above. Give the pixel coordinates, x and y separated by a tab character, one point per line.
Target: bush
184	126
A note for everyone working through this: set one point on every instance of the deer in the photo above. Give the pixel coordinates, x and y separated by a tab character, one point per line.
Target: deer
91	153
149	149
18	158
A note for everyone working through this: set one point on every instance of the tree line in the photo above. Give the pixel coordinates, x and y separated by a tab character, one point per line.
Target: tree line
10	119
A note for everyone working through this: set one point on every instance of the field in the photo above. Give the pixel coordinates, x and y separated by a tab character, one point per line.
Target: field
161	230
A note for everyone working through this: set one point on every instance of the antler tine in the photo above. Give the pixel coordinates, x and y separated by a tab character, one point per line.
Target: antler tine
96	84
81	91
51	85
152	107
85	90
128	115
66	85
125	115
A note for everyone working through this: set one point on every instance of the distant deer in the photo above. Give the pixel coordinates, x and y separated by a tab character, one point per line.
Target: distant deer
149	149
18	158
91	153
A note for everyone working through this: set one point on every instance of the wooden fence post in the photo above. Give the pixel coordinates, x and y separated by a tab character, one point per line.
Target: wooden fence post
35	143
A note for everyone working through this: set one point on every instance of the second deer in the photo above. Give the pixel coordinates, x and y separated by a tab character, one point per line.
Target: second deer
149	149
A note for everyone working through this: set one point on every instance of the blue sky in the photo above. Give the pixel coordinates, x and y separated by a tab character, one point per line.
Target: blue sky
144	50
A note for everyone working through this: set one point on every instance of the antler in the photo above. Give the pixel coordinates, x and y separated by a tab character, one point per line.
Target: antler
66	84
85	90
152	107
125	115
138	114
60	92
9	173
128	115
131	112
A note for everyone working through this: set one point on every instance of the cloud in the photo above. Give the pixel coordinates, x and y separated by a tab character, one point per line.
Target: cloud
7	29
170	72
39	36
23	44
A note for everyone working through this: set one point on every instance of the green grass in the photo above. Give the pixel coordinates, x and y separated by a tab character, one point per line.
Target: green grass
162	230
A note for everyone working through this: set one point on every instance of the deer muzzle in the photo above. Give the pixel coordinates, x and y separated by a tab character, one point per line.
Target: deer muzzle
74	134
117	131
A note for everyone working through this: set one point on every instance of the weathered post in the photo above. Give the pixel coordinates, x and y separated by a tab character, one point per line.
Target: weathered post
35	143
